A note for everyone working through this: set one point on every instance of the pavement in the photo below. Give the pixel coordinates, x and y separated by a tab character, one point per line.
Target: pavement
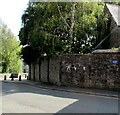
96	92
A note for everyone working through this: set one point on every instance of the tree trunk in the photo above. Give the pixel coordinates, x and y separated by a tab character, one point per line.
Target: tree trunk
72	19
4	67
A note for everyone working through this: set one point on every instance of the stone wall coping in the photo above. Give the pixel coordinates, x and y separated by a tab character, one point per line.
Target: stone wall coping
73	54
106	51
69	55
99	51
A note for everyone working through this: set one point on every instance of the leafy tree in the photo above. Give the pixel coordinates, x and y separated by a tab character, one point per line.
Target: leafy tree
10	50
61	28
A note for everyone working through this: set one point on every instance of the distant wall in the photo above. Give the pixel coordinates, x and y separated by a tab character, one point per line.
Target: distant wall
100	69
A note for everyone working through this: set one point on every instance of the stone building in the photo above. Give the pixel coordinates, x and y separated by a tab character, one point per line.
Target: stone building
113	12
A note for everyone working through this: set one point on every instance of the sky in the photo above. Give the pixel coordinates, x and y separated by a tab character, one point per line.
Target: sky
11	12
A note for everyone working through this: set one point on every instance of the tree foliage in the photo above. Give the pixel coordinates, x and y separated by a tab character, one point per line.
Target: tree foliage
61	28
9	51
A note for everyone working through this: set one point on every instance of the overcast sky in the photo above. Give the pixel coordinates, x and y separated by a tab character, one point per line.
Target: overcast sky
11	12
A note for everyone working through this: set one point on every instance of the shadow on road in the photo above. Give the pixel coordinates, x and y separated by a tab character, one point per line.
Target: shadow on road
84	103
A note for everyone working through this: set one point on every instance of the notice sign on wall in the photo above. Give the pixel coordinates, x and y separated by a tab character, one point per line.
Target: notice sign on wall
115	61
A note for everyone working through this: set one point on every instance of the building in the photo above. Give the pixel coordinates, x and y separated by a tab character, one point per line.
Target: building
25	67
113	12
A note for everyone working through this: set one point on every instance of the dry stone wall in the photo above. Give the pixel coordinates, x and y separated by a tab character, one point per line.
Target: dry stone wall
37	70
101	69
32	71
105	70
44	71
74	70
54	70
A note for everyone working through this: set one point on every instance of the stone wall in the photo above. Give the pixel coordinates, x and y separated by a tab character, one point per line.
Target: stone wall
101	69
44	71
37	70
54	70
75	70
32	71
103	73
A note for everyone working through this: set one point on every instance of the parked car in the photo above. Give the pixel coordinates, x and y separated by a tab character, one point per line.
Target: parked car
14	75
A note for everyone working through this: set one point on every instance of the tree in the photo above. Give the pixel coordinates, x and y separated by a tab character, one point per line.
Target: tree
10	51
61	28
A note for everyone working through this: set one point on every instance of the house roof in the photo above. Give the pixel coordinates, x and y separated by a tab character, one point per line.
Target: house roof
115	12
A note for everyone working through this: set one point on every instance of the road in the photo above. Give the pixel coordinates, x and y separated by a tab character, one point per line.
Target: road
18	98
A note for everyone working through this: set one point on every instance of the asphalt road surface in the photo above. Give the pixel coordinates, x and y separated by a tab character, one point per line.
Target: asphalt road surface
18	98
